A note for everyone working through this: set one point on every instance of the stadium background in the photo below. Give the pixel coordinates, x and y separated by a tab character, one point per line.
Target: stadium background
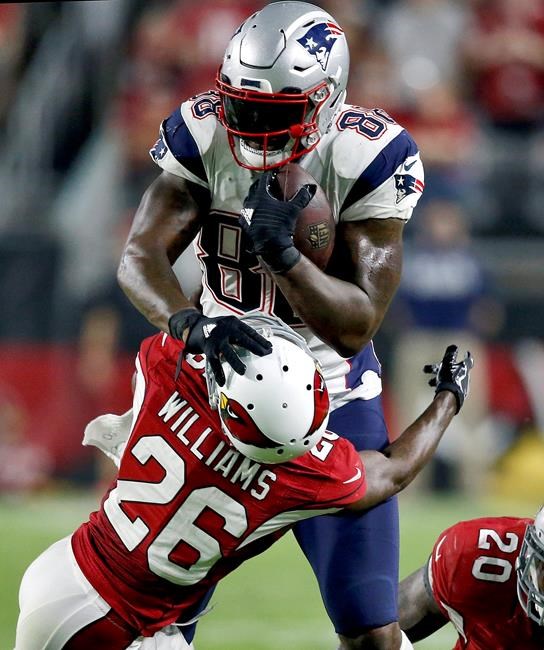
84	88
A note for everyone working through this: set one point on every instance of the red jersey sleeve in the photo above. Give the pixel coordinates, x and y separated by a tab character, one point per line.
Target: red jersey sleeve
158	348
344	481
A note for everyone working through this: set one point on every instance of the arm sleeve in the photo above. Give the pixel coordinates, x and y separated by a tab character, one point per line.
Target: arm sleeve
446	578
345	478
443	564
390	186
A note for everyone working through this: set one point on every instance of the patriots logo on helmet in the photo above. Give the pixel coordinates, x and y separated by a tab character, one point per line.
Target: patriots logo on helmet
319	40
158	152
406	184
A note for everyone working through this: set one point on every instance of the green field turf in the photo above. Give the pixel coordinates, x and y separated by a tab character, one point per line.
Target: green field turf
271	603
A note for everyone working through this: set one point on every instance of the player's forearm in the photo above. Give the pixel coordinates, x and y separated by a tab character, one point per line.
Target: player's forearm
427	625
419	615
165	223
151	285
392	469
338	312
415	447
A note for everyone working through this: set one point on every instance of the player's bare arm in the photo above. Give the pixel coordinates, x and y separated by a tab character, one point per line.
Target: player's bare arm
346	306
391	470
419	615
168	218
166	222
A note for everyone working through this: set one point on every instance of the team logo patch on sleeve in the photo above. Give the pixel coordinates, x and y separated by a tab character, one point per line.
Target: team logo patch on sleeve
158	152
406	184
319	41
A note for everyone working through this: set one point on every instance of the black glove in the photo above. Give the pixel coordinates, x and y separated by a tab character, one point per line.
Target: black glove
451	374
270	222
215	336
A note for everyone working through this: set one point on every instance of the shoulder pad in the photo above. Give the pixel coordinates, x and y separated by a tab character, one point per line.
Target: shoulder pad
185	137
176	150
398	156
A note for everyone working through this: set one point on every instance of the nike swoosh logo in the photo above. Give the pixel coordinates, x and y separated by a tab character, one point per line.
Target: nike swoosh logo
408	167
357	476
438	555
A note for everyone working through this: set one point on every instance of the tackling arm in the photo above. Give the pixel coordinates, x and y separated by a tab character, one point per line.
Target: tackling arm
346	308
419	615
166	222
391	470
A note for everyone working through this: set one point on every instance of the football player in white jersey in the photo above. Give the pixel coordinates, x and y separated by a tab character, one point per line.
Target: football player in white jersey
280	96
210	476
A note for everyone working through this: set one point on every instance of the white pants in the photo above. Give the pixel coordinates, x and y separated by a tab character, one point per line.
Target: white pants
56	600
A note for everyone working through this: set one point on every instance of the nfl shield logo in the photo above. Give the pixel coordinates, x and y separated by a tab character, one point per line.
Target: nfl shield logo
318	235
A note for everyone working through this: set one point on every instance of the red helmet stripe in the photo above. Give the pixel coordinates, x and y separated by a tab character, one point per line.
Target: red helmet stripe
321	402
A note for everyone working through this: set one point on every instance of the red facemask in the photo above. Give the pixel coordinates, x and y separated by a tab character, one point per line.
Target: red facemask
270	124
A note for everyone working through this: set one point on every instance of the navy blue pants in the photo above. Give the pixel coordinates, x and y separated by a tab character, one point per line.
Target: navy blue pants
355	557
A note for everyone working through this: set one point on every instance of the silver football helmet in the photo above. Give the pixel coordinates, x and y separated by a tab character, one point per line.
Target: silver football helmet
279	408
282	81
530	570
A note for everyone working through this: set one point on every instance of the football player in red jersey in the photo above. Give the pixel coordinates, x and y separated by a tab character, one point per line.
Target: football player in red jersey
209	476
485	576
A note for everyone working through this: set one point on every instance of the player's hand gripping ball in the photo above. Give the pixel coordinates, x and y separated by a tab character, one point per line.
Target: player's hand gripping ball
287	213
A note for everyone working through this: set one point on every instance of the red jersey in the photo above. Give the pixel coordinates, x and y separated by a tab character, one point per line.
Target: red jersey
187	508
473	577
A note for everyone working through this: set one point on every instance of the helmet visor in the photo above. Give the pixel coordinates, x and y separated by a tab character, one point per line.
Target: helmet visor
257	117
282	122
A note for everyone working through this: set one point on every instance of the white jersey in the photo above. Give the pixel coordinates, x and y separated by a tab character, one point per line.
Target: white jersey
369	168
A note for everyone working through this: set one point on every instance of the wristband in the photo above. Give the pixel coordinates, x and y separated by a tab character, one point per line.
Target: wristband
281	261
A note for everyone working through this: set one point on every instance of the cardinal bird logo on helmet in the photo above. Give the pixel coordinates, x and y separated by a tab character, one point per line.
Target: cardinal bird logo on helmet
241	424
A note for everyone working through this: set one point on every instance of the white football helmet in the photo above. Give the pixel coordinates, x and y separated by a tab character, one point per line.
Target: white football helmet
530	570
281	83
279	408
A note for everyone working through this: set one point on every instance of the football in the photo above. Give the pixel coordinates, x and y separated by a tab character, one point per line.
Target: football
314	233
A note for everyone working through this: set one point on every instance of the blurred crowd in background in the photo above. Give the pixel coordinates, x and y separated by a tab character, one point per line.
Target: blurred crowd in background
85	86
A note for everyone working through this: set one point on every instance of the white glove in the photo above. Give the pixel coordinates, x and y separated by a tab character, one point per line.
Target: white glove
109	433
